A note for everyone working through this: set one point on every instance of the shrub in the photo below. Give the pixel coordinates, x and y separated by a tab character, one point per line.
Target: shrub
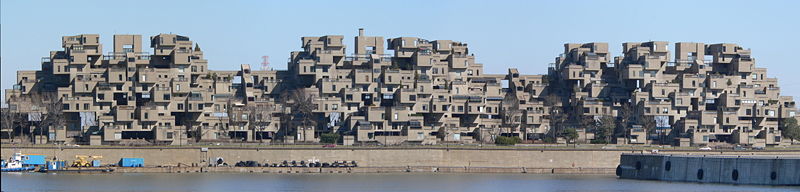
329	138
503	140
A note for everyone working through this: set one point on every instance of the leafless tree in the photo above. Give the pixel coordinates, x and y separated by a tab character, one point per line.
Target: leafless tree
626	118
51	110
302	109
556	115
648	123
510	111
260	117
10	118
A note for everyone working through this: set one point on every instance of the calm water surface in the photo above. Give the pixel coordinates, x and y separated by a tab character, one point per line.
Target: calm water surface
349	182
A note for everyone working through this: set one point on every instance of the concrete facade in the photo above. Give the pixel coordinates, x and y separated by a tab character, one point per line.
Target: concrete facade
403	90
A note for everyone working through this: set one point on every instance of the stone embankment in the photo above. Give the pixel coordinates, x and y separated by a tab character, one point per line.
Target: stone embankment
372	160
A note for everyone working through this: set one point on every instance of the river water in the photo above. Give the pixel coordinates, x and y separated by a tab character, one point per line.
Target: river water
349	182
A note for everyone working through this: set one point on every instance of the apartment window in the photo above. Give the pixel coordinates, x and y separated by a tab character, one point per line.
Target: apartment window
333	88
166	96
396	116
180	106
713	84
66	106
101	96
127	48
181	69
178	87
412	97
335	107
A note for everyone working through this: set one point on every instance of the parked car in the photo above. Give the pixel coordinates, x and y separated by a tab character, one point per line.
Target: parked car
705	149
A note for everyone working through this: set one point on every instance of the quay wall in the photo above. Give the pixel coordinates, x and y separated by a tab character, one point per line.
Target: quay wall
730	169
367	157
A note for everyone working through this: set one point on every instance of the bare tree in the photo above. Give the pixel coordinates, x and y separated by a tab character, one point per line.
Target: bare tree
51	110
260	117
648	123
510	111
302	108
626	117
10	118
556	115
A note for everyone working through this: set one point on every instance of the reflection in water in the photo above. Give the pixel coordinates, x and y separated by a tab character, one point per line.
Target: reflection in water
348	182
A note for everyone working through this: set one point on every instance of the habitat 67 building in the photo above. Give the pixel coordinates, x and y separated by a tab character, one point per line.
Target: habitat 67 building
392	91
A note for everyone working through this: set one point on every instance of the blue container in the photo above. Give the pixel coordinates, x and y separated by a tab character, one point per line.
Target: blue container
96	163
131	162
56	165
61	164
34	160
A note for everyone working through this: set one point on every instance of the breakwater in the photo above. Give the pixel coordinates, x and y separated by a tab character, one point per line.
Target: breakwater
730	169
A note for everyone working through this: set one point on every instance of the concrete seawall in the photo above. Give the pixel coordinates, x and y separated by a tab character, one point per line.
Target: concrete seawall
332	170
731	169
370	157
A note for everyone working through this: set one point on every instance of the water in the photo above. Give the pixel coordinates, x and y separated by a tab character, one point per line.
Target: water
349	182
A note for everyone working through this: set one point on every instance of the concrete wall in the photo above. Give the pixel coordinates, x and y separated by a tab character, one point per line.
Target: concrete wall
365	157
783	169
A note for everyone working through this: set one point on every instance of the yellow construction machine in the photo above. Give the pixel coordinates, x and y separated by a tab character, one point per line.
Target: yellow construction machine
84	160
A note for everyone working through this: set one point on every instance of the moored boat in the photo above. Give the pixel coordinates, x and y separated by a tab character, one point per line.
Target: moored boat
14	164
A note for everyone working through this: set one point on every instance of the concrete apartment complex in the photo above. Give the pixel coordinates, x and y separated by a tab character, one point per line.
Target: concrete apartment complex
393	91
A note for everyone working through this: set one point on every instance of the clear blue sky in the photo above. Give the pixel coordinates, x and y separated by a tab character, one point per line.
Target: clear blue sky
502	34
